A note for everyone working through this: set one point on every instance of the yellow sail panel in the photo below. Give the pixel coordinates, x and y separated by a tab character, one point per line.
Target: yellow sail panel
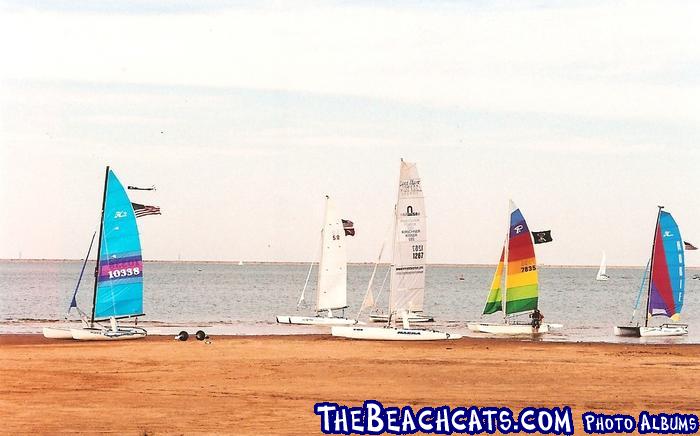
493	302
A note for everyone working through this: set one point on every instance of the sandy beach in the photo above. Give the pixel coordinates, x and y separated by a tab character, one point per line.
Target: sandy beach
268	385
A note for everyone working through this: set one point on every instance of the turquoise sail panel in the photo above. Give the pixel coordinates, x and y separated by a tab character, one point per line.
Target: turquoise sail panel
120	276
668	270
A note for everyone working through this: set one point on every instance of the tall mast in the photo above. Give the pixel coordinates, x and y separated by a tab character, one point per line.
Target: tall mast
393	245
651	268
320	259
504	291
99	247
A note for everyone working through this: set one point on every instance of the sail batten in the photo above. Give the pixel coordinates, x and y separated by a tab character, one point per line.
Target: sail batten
408	270
119	278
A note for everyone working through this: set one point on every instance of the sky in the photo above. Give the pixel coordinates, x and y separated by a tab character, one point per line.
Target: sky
245	114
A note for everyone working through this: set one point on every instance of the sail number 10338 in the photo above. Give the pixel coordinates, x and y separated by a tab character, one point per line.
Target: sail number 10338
418	251
124	272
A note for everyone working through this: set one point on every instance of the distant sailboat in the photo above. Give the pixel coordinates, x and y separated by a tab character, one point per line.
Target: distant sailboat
602	276
118	290
515	286
240	263
666	286
331	288
407	286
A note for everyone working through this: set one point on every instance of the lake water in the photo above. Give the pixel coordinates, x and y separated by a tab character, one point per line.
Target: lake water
225	298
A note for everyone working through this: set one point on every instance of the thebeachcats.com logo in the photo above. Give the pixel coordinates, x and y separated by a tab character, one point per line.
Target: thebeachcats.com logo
373	418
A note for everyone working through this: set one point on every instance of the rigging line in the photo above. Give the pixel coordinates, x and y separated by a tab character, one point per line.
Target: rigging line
308	275
77	285
639	294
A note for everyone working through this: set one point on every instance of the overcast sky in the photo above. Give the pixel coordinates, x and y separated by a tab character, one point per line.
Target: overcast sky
244	114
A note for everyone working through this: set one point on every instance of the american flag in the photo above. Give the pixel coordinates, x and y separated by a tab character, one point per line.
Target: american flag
143	210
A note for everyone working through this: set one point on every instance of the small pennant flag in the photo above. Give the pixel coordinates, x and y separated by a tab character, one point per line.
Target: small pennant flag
143	210
689	246
136	188
542	237
349	228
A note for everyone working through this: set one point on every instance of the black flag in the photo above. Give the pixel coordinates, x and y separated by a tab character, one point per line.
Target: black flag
542	237
689	246
136	188
349	228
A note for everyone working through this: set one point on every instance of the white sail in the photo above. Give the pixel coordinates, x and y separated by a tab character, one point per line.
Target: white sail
408	270
332	271
601	271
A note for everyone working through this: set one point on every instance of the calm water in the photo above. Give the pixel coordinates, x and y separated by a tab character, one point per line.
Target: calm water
227	298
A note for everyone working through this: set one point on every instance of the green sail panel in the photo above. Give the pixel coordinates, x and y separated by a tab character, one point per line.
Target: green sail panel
493	302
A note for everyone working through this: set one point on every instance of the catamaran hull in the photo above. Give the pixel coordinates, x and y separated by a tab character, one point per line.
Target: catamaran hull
121	334
664	330
412	318
315	320
650	332
602	278
391	334
57	333
628	331
508	329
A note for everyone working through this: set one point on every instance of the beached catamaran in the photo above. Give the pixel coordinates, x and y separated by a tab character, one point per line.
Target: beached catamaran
118	290
515	286
331	288
602	276
407	287
666	287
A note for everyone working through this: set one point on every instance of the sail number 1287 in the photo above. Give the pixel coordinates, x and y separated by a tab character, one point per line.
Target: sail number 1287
418	251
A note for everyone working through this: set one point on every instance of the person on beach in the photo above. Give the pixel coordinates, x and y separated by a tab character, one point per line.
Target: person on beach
537	318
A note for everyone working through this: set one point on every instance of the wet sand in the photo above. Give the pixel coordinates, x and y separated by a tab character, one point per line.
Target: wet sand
269	384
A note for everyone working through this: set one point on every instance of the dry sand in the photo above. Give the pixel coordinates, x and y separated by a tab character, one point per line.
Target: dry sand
268	385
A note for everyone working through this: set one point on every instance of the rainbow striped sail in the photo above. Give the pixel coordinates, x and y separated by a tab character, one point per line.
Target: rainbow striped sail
119	290
520	270
667	283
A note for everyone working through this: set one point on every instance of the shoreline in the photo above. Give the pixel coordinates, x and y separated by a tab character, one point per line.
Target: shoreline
306	263
269	384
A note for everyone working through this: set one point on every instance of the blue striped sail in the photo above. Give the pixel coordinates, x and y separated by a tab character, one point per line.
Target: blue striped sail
668	270
120	276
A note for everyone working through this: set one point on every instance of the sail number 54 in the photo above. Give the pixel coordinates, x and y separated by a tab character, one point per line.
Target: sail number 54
125	272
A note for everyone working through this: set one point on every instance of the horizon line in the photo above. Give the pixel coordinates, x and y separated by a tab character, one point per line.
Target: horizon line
291	262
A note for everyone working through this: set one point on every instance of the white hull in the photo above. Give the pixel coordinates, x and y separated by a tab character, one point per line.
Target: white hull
391	334
602	278
315	320
121	334
508	329
57	333
412	318
650	332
